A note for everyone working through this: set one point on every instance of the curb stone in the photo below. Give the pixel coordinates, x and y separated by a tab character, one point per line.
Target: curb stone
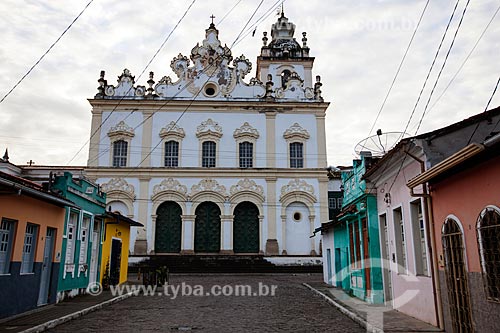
361	321
55	322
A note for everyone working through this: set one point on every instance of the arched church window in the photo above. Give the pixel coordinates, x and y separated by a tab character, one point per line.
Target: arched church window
296	155
285	75
171	153
120	153
209	154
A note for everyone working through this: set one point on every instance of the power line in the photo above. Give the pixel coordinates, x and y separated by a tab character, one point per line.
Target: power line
123	97
485	109
399	67
432	66
466	59
46	52
442	66
229	12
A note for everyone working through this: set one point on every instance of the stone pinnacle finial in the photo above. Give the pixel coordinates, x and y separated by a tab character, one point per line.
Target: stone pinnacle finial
6	156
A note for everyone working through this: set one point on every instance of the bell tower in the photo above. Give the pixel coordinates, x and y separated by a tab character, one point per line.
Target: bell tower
283	57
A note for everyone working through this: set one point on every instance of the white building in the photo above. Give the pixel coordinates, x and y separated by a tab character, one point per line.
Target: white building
212	163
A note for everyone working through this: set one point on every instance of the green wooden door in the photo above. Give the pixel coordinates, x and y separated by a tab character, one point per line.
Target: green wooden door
207	228
168	228
246	228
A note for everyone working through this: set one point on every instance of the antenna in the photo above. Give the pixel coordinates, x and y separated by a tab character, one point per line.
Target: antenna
380	143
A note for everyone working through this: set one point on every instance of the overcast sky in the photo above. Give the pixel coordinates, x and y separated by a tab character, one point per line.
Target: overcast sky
357	44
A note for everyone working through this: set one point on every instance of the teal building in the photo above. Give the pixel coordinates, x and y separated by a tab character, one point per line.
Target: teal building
82	238
356	237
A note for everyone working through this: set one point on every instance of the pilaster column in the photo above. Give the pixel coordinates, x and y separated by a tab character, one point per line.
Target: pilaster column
283	235
151	247
321	137
311	223
141	243
187	236
226	235
272	246
261	234
95	139
323	199
147	134
271	139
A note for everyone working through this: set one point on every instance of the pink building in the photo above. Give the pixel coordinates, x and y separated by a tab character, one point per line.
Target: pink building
465	193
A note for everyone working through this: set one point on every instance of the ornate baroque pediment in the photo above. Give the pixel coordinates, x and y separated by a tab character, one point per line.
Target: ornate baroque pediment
170	184
246	185
209	128
296	132
125	86
121	129
119	185
173	130
246	130
208	185
297	185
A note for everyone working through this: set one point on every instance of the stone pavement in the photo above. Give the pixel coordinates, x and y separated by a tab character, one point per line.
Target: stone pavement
377	318
34	321
293	308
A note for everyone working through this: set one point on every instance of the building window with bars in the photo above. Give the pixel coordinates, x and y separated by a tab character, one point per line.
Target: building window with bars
120	148
246	154
171	154
6	241
208	154
296	155
29	248
339	203
488	236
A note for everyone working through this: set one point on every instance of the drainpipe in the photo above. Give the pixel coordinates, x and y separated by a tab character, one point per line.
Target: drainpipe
429	218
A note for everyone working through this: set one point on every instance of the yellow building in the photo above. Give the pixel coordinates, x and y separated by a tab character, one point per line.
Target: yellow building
114	263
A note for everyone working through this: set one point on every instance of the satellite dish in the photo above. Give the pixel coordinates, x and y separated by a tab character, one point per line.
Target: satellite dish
380	143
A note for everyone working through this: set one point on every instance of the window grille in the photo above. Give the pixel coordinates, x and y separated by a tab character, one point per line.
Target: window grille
488	240
246	154
120	153
172	154
296	155
209	154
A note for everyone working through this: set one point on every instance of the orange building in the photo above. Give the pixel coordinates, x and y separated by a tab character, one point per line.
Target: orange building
31	227
465	193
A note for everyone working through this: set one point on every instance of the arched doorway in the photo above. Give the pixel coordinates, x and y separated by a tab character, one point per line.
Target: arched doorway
297	229
456	277
168	228
207	228
246	228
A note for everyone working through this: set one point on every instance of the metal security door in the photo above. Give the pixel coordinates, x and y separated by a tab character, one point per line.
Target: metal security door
246	228
207	228
43	295
168	228
456	277
114	266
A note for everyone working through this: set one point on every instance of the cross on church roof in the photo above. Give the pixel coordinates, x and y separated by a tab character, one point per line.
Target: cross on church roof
212	17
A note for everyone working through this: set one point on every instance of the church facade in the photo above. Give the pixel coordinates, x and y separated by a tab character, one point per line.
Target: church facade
214	162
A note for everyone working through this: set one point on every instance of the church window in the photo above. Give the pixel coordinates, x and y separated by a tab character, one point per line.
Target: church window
285	75
246	154
296	155
120	153
209	154
171	154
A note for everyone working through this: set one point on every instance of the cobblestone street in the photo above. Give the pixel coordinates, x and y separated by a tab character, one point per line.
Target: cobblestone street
294	308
